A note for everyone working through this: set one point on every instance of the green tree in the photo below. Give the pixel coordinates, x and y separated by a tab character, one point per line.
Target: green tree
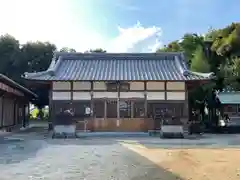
98	50
66	49
200	62
226	41
174	46
9	55
188	44
35	57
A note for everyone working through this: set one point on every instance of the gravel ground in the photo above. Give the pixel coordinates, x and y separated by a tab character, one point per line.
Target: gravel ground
32	155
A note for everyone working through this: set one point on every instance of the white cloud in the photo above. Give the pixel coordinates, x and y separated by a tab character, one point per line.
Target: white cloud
54	21
136	39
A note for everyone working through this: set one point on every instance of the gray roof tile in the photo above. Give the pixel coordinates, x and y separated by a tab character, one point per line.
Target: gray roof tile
110	67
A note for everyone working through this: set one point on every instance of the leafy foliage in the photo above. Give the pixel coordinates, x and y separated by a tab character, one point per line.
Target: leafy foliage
200	62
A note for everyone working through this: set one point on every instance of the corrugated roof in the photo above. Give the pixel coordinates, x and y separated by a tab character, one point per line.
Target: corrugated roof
229	97
121	66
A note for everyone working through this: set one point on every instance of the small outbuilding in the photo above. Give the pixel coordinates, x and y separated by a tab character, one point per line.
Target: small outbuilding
14	103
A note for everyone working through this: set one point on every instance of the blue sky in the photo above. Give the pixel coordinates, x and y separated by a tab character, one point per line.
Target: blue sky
116	25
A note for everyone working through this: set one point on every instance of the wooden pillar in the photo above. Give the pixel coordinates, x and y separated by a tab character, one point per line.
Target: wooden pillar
118	100
27	112
165	90
24	115
105	108
2	115
14	112
92	102
186	108
50	111
71	95
145	99
132	109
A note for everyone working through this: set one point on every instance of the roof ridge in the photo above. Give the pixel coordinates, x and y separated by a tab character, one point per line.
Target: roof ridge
76	56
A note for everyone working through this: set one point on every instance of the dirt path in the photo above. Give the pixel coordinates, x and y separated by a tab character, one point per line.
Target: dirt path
194	164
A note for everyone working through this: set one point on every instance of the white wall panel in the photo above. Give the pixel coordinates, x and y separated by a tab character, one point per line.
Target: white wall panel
105	95
82	85
61	95
175	95
175	85
99	86
131	94
61	85
155	96
155	85
136	86
81	96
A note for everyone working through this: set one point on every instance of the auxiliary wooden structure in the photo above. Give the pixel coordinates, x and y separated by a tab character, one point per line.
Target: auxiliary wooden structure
14	104
123	91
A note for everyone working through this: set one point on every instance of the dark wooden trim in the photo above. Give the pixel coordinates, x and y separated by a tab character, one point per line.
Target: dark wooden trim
145	85
132	99
2	111
132	109
14	112
166	101
117	91
50	103
145	105
71	89
92	100
165	92
105	109
118	100
103	99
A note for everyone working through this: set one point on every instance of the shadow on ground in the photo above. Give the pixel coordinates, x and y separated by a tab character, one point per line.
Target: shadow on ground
140	168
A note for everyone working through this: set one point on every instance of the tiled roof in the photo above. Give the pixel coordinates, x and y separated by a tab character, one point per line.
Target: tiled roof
121	66
14	84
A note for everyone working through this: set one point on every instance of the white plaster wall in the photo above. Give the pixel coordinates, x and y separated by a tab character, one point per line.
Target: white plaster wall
82	85
61	95
99	86
155	96
175	85
105	95
136	86
155	85
175	95
60	85
81	96
131	94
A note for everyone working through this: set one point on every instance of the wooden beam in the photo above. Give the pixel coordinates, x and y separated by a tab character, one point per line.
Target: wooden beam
92	100
2	115
165	90
105	108
132	109
71	90
118	100
145	99
50	103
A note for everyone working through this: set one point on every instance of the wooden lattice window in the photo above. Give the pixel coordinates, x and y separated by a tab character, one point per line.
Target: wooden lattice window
139	109
125	109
